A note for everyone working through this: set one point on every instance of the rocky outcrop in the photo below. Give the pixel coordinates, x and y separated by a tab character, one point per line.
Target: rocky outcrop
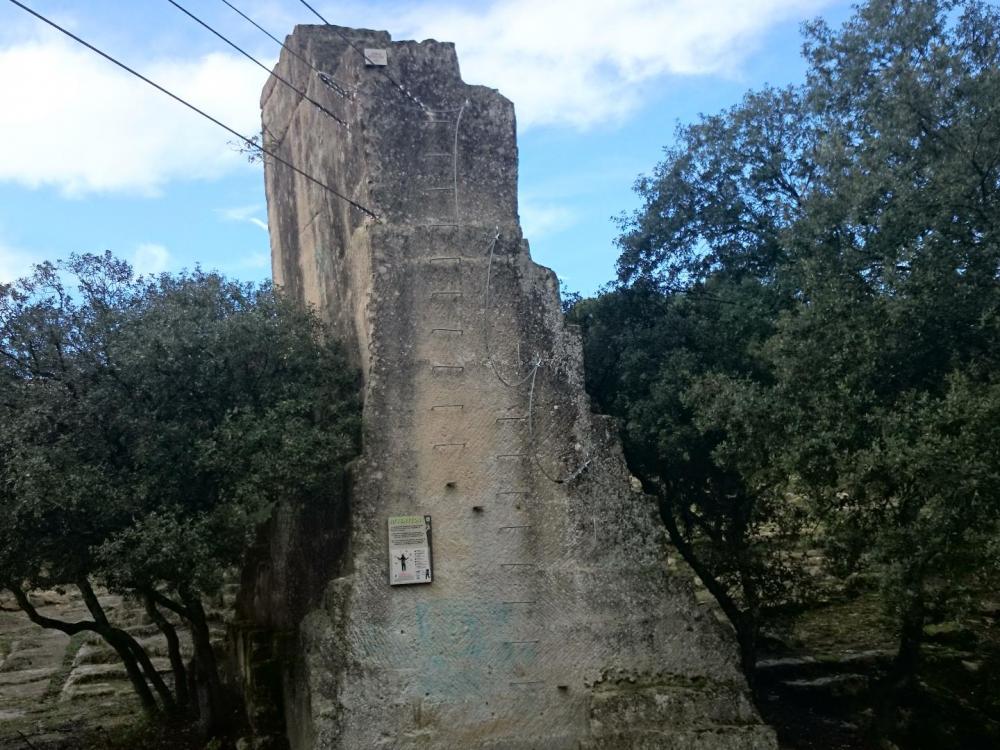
552	620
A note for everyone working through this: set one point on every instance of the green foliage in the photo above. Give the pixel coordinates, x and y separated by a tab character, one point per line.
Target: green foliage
808	317
656	361
151	424
148	427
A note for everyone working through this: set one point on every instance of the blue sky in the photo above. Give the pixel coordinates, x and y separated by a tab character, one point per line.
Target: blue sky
92	160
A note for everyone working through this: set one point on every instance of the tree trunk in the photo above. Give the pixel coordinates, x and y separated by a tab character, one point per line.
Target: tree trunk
746	638
211	703
169	703
173	649
135	675
146	699
744	623
126	646
749	627
902	677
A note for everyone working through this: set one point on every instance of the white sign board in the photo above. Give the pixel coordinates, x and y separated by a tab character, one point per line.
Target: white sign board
409	550
376	57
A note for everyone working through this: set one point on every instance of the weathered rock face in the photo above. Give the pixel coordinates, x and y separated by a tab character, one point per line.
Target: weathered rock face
552	621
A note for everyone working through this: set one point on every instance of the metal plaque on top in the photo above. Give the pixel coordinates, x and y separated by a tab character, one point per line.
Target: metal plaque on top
378	58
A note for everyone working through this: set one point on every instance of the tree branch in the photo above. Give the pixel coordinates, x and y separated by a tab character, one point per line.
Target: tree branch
170	604
69	628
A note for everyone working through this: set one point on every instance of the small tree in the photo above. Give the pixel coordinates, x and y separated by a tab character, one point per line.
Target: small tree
696	299
149	427
647	354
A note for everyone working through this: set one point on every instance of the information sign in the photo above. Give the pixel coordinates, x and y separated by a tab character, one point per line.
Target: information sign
409	550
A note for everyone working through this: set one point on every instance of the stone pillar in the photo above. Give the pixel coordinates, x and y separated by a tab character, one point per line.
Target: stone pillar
552	621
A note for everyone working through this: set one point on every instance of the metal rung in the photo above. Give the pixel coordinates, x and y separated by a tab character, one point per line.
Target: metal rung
438	446
522	526
446	259
447	330
442	407
447	367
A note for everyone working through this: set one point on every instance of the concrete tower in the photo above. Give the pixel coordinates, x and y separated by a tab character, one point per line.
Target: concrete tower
552	620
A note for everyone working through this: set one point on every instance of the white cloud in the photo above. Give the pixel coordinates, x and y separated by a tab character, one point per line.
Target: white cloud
245	214
586	62
150	259
73	121
539	220
15	263
76	122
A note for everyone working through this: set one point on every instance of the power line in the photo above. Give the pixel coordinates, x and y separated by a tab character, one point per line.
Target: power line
343	89
316	13
261	65
368	60
325	77
251	143
268	34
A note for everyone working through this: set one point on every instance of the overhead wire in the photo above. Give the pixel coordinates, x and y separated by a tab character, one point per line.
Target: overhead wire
368	61
263	149
248	141
322	108
533	373
325	77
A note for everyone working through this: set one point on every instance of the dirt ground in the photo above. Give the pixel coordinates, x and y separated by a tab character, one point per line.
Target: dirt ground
818	672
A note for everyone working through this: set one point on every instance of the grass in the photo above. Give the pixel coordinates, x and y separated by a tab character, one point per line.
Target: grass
58	680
